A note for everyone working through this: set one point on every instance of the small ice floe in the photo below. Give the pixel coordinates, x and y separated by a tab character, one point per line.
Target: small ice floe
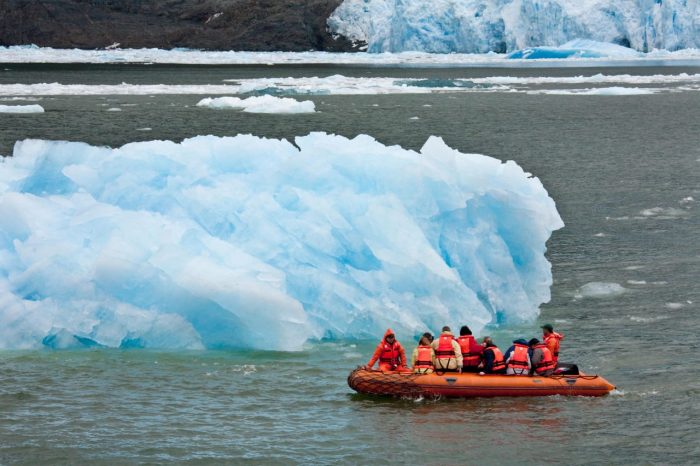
636	282
414	118
113	109
600	235
633	267
260	104
427	105
674	306
25	99
606	91
143	129
21	109
647	320
686	200
663	213
600	290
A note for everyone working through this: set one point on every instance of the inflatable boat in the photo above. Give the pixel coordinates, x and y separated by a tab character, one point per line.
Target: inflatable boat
454	385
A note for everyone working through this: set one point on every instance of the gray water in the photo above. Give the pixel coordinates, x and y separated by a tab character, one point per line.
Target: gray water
619	169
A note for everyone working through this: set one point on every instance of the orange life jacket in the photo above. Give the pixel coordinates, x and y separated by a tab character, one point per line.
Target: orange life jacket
498	361
444	349
553	337
390	354
424	359
469	359
547	362
518	358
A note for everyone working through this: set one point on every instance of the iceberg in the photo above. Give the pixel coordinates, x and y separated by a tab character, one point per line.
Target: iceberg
21	109
260	104
478	26
261	243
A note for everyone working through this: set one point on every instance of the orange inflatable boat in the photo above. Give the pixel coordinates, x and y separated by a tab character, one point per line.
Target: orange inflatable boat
453	385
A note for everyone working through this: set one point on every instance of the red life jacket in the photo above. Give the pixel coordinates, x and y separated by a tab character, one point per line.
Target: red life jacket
518	358
555	337
390	354
498	362
444	349
547	362
424	359
466	343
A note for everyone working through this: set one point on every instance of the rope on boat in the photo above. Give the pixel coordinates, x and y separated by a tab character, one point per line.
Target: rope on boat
394	384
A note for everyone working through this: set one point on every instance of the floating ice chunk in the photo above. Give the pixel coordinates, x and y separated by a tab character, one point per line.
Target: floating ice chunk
675	306
600	290
260	104
664	213
261	243
600	91
113	109
21	109
637	282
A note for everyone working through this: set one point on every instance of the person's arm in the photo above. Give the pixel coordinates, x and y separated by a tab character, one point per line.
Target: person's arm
402	356
458	353
488	361
537	357
375	356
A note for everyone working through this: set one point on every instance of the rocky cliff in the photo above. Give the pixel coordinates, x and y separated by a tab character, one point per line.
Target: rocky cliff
256	25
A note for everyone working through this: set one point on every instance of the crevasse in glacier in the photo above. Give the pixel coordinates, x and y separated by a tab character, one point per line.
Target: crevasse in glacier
480	26
261	243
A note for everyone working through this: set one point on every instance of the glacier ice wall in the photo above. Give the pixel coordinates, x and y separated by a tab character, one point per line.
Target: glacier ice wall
480	26
261	243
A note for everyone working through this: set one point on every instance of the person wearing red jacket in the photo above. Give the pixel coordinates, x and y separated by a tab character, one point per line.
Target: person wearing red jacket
389	353
471	350
552	339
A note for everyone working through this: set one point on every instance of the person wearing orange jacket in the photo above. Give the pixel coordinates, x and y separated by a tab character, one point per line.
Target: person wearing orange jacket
518	358
448	354
542	359
493	361
552	339
423	357
471	350
389	353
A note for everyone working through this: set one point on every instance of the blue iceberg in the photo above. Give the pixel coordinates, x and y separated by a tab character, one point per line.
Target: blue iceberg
261	243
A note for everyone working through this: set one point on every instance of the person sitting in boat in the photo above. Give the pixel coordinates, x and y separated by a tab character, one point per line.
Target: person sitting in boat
492	361
423	356
448	354
518	358
552	339
471	350
542	359
389	353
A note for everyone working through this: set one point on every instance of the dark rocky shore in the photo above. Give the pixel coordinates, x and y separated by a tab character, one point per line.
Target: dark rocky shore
255	25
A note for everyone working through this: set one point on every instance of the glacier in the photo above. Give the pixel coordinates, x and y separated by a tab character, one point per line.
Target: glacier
247	242
480	26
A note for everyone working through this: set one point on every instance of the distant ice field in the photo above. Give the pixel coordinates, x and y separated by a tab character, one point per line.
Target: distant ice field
350	85
570	54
